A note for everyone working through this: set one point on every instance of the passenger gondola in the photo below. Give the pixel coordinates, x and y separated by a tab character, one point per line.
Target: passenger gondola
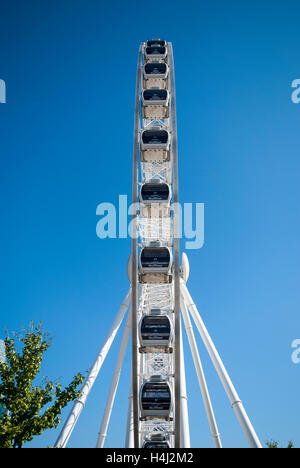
155	104
155	264
155	145
155	52
155	75
155	200
156	441
155	97
155	332
156	42
155	399
155	70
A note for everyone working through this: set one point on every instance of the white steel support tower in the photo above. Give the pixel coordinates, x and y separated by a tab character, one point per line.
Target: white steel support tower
158	299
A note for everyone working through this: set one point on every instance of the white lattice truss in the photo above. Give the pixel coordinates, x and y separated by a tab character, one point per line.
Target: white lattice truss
152	229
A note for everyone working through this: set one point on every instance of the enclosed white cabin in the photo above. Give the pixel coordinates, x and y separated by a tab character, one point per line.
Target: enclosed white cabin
155	399
155	144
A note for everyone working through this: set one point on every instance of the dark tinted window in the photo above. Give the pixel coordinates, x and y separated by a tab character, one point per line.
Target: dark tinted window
155	192
155	328
154	391
155	50
156	445
156	397
155	137
156	42
155	68
155	257
155	94
156	394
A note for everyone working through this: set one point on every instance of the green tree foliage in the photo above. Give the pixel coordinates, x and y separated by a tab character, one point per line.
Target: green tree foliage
275	444
29	409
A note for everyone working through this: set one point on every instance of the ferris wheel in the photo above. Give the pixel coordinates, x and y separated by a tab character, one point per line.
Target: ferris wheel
158	298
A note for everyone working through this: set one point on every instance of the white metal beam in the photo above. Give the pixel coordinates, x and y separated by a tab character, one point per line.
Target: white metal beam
129	443
224	377
176	264
114	385
80	402
185	441
134	262
201	377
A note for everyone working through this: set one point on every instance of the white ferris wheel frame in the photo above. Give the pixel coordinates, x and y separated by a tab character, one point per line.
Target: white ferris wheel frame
174	297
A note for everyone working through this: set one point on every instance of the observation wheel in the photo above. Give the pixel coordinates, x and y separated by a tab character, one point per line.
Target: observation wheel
158	297
154	265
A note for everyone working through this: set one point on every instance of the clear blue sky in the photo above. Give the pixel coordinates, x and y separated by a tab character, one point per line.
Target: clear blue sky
66	146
